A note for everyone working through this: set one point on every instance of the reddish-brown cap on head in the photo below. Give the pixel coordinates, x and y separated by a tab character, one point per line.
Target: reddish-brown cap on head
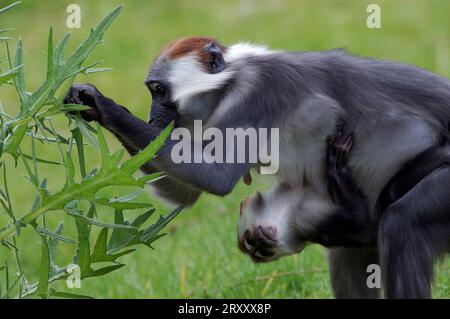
188	45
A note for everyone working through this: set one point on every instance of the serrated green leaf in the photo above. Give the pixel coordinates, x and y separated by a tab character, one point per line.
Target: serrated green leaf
100	252
151	178
55	236
126	198
41	195
83	247
12	5
41	160
20	78
84	128
103	271
78	136
121	237
93	39
74	213
96	70
135	162
61	294
122	205
60	49
44	269
104	149
50	66
162	222
70	171
10	74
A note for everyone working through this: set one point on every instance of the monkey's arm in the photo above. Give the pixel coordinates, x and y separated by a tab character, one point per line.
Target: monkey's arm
108	113
135	134
350	224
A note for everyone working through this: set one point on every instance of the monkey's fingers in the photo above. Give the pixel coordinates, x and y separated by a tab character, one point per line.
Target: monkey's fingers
331	158
343	149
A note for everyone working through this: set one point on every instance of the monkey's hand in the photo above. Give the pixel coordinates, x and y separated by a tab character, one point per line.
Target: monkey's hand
352	218
342	188
104	110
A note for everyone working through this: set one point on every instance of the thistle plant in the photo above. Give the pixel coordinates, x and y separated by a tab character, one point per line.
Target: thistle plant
78	198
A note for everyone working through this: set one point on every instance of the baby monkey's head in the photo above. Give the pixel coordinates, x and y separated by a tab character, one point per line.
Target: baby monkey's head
267	224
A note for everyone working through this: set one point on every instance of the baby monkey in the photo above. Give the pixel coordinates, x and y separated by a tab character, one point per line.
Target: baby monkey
285	219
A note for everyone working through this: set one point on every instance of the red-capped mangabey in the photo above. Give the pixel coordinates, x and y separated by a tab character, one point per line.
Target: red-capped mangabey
395	111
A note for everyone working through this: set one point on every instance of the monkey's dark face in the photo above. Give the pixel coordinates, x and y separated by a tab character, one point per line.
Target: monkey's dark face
266	226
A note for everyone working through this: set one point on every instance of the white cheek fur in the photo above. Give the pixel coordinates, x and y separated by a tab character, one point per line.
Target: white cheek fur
188	77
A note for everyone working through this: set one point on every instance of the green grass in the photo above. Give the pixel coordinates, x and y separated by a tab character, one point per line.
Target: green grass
199	256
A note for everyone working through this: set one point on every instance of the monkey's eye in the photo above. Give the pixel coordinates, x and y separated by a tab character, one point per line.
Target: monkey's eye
158	89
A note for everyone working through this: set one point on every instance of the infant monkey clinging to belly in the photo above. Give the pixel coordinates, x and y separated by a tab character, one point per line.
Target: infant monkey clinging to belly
285	219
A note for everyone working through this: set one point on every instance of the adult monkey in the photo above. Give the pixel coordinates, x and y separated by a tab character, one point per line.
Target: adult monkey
395	111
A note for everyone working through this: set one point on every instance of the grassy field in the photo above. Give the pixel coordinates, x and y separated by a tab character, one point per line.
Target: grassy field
199	256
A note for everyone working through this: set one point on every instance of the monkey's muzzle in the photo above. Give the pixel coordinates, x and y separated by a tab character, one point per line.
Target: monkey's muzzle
259	243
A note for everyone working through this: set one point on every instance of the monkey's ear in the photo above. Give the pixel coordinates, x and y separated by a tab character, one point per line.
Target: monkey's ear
216	62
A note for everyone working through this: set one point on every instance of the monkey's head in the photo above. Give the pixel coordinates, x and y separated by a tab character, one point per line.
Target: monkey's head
186	68
267	228
190	75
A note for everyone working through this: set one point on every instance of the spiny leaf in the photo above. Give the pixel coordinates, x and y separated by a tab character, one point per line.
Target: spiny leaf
122	205
122	238
84	129
10	74
58	55
93	39
20	79
75	213
55	236
70	171
100	252
102	271
10	6
104	149
83	247
135	162
61	294
154	229
151	178
78	136
127	198
96	70
40	160
50	67
44	273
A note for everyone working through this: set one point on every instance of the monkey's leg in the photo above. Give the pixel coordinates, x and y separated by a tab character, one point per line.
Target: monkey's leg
412	173
413	232
348	272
